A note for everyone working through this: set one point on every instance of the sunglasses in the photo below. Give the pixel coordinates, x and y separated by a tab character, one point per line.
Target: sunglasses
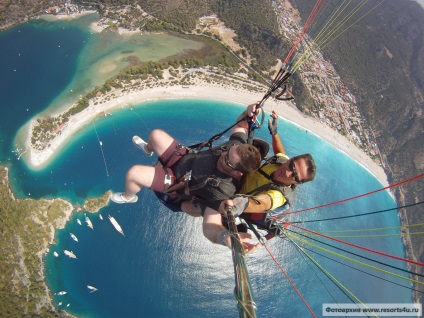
227	160
292	168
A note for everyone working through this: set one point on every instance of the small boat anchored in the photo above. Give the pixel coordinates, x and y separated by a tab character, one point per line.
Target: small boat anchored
88	221
73	237
92	288
116	225
61	293
19	152
70	254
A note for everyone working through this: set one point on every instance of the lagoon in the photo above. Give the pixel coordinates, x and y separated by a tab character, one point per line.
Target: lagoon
164	267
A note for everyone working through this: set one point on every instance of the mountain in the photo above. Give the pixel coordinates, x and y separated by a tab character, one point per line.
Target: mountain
14	12
380	59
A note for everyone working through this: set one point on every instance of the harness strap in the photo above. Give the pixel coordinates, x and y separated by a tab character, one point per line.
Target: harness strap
266	175
209	142
183	183
264	187
187	190
178	147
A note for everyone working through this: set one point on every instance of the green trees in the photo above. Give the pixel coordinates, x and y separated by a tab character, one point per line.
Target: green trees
26	231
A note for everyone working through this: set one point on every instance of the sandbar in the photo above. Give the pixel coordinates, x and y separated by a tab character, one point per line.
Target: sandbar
201	90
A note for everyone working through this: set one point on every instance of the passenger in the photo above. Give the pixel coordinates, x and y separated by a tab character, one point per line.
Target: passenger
206	178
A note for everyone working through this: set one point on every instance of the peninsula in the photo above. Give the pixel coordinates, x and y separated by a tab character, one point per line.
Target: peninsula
199	82
189	78
236	90
28	229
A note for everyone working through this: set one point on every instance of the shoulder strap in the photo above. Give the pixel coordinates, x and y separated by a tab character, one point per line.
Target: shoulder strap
266	175
287	191
272	160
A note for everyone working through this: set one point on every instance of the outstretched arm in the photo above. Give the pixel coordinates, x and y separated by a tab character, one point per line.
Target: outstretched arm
242	126
215	232
277	144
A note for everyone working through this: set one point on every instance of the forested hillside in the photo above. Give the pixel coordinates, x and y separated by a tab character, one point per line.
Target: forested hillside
381	59
13	12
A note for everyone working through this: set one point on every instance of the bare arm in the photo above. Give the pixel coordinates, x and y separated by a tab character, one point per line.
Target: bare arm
213	230
212	225
277	144
242	126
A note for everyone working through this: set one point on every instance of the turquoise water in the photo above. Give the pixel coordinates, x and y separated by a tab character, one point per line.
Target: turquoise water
164	267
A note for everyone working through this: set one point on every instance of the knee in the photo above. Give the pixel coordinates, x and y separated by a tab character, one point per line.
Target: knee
132	173
155	135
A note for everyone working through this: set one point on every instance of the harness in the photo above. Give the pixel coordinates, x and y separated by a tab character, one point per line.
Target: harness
262	220
287	191
182	191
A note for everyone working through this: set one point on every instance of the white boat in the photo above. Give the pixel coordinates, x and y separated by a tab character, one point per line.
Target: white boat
78	221
61	293
69	304
69	253
55	254
74	237
92	288
88	221
116	225
101	217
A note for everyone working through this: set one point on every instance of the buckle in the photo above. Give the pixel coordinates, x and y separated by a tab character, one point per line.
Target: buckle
187	176
214	182
168	180
193	151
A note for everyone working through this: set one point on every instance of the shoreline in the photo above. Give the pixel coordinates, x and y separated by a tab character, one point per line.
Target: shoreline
201	90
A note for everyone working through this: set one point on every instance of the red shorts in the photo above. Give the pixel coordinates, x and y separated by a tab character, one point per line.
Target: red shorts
164	175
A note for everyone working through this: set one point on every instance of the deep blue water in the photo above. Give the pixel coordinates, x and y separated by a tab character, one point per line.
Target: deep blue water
37	61
164	267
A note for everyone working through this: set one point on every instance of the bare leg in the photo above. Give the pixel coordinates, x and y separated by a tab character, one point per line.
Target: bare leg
159	141
142	176
136	178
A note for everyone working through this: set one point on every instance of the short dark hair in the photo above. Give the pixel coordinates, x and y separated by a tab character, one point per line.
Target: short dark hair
250	158
310	165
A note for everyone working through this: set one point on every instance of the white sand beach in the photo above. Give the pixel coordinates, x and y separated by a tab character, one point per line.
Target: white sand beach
37	159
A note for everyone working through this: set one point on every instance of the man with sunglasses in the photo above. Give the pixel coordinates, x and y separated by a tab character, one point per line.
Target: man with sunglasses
203	179
274	184
269	188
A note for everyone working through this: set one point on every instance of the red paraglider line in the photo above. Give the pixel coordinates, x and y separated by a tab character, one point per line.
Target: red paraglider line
311	19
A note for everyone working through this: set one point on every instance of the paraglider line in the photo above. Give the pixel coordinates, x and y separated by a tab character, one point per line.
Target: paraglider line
101	149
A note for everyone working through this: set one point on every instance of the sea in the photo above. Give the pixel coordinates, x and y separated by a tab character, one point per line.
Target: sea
163	266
